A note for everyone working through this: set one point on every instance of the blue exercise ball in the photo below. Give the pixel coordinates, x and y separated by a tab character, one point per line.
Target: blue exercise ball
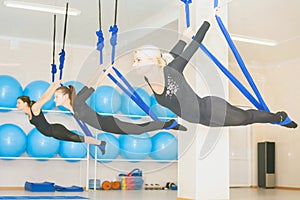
107	100
162	112
36	89
135	147
153	100
10	90
130	107
13	140
111	150
41	146
70	149
164	146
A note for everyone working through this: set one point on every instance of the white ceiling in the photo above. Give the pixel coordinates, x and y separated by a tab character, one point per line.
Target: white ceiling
276	20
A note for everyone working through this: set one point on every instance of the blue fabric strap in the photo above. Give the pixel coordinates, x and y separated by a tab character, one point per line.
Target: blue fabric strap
62	55
84	128
187	11
175	123
113	41
286	121
241	63
132	95
53	71
100	44
216	3
235	81
139	100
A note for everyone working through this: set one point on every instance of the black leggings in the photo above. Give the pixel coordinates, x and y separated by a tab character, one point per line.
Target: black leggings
216	112
60	132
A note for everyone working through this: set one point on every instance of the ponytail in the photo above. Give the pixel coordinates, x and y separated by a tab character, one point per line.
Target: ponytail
26	99
68	90
72	93
31	103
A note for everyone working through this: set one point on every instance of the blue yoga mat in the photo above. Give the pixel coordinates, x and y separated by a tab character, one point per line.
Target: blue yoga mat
42	197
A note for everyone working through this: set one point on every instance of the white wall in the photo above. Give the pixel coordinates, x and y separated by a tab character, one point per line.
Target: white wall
279	87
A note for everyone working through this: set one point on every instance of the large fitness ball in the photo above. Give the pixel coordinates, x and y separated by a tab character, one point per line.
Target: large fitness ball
10	90
70	149
112	147
36	89
164	146
13	140
41	146
130	107
107	100
135	147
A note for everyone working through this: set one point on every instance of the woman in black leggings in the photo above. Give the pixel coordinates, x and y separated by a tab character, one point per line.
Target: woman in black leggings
58	131
164	74
66	96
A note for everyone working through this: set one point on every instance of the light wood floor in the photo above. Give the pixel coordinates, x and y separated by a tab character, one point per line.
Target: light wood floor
235	194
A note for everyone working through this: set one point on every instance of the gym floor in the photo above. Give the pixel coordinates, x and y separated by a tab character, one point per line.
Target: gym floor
235	194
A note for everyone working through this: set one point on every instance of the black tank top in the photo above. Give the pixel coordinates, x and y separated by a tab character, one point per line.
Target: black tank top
40	122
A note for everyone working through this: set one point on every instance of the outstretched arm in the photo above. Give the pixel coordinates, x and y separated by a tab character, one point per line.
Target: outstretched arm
36	107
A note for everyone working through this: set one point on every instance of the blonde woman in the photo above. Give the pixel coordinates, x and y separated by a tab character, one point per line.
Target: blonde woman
164	75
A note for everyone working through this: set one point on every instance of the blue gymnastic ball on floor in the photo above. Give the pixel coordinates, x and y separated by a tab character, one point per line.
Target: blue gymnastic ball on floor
111	150
164	146
41	146
13	140
106	100
10	90
135	147
129	107
36	89
70	149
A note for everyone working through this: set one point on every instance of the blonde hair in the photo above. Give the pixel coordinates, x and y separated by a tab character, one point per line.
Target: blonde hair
150	51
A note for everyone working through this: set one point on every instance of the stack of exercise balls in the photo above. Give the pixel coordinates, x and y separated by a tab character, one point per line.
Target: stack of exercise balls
106	100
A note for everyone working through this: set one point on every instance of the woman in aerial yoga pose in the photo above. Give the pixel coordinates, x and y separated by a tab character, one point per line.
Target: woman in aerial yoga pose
66	96
58	131
164	75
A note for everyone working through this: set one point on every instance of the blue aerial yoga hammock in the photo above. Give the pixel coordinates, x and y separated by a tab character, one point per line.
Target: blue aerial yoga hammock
260	103
62	54
129	91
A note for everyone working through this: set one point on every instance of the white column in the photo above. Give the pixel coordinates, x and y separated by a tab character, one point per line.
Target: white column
203	164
